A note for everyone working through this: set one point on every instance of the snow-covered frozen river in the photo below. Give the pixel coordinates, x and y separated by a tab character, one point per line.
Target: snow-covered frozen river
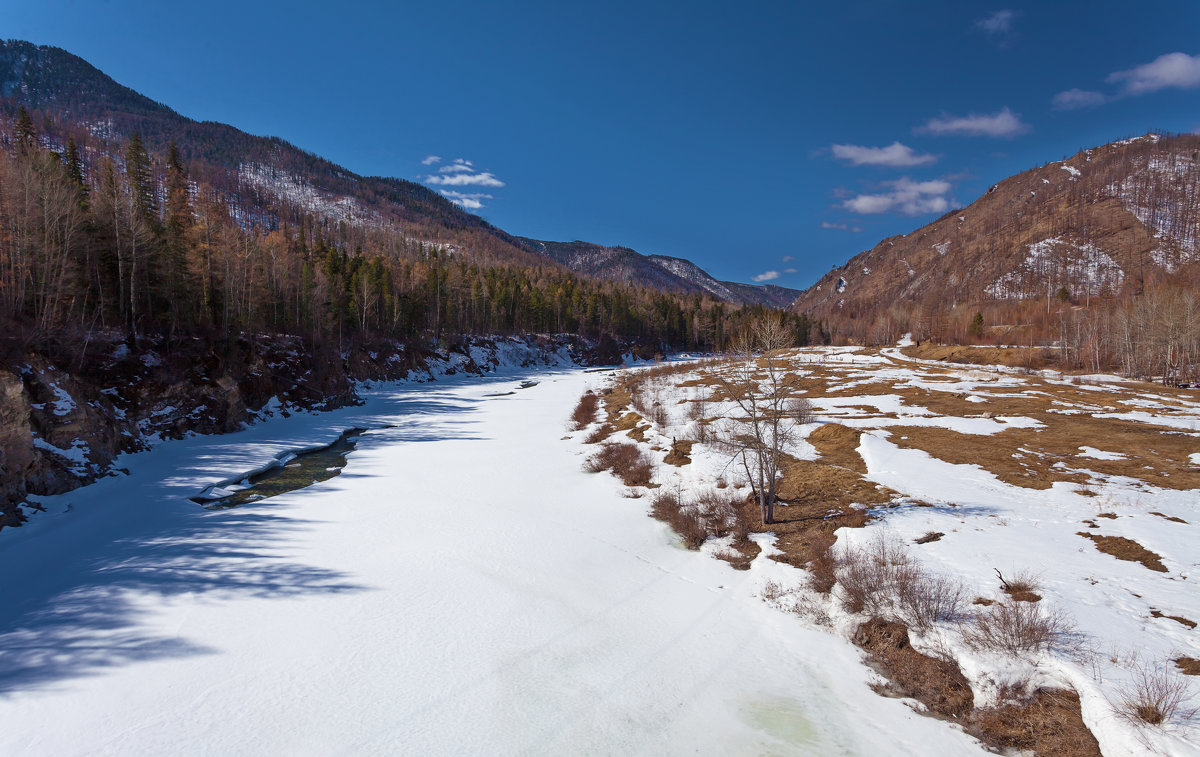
461	588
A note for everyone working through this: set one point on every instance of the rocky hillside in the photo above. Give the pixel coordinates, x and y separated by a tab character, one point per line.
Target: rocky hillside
658	271
1108	220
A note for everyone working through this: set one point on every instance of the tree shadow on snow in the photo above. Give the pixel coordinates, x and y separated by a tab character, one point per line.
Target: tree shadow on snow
84	611
95	624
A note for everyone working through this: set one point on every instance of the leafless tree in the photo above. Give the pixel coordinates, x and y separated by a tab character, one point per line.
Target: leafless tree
767	412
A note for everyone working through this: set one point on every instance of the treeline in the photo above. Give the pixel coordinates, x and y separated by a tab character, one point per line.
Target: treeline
1154	334
102	236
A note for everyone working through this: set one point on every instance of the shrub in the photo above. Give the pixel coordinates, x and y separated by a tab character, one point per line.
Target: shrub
930	599
1155	696
633	466
684	520
585	411
1015	627
599	434
871	577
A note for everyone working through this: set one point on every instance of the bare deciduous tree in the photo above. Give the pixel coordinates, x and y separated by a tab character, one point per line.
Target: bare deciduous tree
767	412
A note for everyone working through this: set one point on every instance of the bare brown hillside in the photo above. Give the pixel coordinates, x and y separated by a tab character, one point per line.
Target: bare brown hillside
1108	220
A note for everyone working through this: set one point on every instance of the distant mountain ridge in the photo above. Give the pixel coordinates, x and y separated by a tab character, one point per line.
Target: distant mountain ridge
261	175
658	271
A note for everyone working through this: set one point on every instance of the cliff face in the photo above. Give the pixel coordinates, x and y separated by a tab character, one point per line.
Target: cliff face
65	415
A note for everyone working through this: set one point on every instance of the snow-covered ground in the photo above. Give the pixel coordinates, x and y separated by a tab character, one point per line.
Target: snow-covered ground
461	588
1126	616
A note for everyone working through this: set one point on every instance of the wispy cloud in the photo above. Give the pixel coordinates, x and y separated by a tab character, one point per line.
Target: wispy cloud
466	200
895	155
766	276
1073	99
465	179
903	196
1170	71
459	165
787	258
1004	123
461	173
998	25
840	226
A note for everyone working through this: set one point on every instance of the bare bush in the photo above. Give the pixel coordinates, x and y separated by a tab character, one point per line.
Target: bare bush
870	578
685	520
1015	627
599	434
931	599
626	461
883	580
585	411
822	572
1156	696
1023	586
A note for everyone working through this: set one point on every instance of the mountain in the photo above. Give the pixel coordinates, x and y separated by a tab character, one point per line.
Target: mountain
1109	220
270	179
658	271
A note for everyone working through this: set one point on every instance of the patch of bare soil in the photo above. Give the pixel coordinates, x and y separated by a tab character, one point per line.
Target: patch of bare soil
1171	518
1126	549
838	445
936	683
1017	357
1189	665
816	500
1050	724
680	453
1177	618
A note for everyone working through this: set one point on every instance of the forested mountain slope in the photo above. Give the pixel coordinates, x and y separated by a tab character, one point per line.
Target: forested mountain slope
1109	221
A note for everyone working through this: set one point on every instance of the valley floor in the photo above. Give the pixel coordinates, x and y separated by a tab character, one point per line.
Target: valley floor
461	588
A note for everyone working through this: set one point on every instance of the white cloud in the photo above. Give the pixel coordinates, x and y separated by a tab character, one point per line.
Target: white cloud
1002	124
894	155
431	159
1077	98
789	270
906	196
484	179
997	23
840	226
469	201
457	168
787	258
766	276
1173	70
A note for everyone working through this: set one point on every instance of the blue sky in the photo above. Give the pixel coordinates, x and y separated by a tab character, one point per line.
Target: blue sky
761	140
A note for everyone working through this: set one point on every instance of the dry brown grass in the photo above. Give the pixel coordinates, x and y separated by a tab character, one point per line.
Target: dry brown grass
1189	666
585	411
838	445
935	682
1126	549
1049	724
626	461
1017	357
1022	587
679	454
1177	618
